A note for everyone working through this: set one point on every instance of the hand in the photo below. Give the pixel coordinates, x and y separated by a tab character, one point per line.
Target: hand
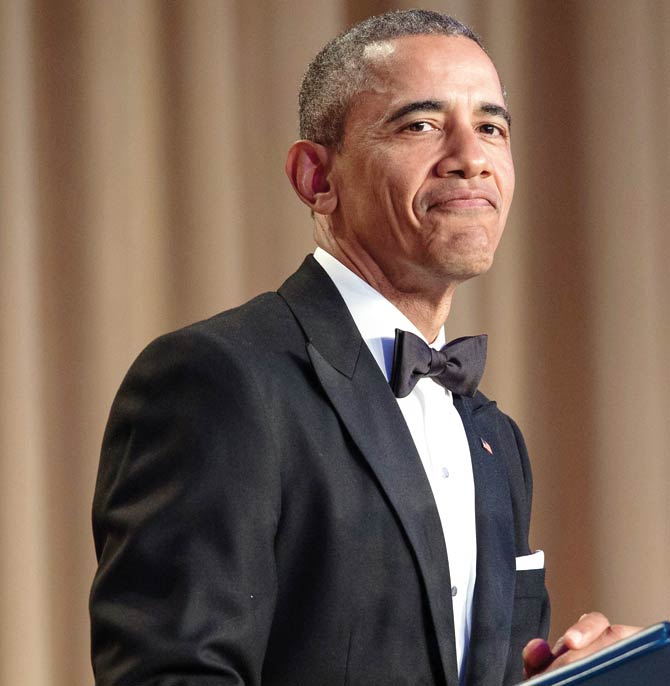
592	632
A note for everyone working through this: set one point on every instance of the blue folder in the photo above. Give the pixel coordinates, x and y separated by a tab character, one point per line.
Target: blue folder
641	660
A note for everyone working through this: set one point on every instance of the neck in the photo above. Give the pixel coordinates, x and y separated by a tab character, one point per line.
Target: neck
428	314
425	302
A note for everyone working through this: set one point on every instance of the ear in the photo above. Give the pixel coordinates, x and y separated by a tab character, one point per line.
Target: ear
307	167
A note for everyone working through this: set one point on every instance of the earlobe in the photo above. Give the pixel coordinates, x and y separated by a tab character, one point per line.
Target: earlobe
307	167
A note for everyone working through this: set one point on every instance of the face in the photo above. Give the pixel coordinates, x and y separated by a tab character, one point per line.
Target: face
424	177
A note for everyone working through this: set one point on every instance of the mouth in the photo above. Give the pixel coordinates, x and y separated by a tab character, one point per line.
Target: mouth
463	199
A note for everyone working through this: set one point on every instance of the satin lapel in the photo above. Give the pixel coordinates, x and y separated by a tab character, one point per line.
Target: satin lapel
363	399
494	589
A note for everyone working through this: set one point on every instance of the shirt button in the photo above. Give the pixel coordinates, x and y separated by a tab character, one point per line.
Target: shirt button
445	473
454	591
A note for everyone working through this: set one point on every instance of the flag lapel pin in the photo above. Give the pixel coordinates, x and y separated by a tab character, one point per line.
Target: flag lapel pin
486	445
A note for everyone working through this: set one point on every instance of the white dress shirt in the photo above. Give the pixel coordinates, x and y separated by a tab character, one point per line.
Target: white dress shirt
438	434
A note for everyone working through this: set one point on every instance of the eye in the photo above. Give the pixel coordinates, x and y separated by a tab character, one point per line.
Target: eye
420	127
492	130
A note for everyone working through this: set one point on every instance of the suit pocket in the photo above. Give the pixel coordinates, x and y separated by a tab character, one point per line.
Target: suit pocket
529	596
529	599
529	584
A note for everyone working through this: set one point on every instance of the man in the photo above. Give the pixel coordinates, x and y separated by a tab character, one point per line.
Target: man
267	510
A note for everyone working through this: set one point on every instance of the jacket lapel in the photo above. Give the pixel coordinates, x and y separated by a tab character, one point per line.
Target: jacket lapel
494	589
363	399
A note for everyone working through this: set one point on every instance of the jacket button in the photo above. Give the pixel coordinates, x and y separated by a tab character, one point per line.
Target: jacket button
454	591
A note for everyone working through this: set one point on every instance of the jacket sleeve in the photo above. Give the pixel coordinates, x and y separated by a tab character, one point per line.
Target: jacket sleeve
184	515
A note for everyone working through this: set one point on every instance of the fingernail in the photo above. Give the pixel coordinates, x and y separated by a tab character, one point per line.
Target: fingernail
574	636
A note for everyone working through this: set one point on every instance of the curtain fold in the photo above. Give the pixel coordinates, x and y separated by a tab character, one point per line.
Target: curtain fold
141	187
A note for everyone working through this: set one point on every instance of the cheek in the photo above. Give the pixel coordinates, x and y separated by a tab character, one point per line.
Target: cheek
390	182
379	185
506	180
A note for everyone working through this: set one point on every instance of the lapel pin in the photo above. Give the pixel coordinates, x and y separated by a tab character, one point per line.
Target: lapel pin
486	445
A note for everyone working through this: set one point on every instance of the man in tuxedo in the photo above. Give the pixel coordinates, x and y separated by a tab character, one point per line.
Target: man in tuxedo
269	508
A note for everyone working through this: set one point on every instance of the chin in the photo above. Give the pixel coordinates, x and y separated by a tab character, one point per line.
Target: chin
460	267
467	252
460	273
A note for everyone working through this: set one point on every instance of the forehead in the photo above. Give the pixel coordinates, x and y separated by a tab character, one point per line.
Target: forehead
432	66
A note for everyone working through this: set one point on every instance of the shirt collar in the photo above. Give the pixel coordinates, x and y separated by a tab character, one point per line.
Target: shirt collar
375	317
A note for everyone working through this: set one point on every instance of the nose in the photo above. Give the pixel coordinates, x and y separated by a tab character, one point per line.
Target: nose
464	155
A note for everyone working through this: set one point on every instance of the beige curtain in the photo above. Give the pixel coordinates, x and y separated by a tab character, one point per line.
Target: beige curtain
141	187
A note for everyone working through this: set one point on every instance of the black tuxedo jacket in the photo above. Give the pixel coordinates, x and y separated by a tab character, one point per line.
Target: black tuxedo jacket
261	515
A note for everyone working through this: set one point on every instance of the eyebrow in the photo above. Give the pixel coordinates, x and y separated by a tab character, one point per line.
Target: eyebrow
440	105
496	111
418	106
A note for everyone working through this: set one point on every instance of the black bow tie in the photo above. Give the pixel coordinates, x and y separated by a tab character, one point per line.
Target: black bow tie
458	366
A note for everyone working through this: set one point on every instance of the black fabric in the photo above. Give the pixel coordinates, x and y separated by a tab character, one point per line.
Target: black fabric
261	515
458	365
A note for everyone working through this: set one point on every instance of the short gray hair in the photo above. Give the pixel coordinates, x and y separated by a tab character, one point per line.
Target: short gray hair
341	69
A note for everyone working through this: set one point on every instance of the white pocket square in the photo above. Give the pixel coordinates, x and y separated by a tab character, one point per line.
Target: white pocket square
533	561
